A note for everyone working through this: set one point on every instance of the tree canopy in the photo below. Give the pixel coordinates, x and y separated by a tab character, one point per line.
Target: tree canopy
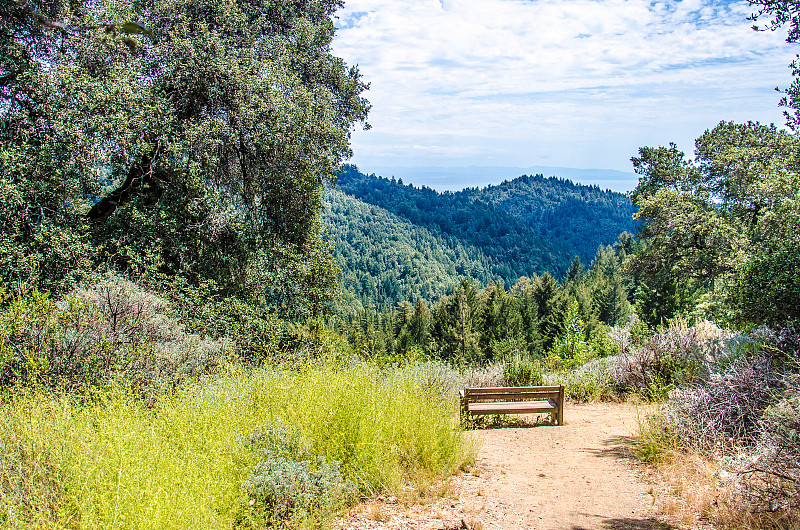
196	157
710	221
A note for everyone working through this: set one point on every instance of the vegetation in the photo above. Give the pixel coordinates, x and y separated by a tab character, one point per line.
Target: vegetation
196	157
386	259
167	348
235	450
575	217
720	240
516	249
723	225
537	317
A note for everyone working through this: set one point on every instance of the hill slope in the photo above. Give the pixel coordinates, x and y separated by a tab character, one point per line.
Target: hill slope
386	259
519	249
579	218
397	242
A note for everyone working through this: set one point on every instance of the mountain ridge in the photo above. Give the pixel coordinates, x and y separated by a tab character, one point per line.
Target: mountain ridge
523	227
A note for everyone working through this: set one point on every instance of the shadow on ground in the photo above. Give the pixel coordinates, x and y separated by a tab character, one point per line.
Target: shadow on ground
616	447
629	523
504	421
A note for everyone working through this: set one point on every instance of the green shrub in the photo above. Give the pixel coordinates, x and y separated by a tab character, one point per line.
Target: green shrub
655	441
289	483
280	490
520	371
767	290
602	345
591	382
111	330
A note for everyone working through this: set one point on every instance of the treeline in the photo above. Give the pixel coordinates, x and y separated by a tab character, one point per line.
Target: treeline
533	318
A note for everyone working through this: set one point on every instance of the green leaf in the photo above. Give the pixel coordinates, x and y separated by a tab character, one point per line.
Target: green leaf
131	28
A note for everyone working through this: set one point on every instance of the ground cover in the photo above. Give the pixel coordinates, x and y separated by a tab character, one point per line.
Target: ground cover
246	448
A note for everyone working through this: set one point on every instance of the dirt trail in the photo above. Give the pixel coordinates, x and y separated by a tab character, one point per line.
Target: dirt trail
575	477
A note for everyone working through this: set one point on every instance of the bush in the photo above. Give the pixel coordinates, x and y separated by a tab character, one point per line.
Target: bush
767	476
521	371
591	382
289	483
280	490
726	410
602	344
112	330
666	361
767	290
744	416
571	348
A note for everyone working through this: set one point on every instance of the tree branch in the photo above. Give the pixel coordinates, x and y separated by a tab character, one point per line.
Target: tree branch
127	28
139	179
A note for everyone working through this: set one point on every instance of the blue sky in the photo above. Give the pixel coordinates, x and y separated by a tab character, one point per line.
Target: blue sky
573	83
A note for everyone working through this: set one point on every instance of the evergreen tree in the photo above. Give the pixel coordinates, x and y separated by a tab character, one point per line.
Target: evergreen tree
572	346
454	325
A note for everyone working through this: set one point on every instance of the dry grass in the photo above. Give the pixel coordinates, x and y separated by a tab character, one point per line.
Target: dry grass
377	512
694	491
687	489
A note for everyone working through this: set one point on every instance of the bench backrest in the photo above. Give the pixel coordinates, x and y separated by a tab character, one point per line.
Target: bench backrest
514	393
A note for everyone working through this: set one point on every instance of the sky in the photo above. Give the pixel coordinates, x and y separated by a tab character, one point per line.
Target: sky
556	83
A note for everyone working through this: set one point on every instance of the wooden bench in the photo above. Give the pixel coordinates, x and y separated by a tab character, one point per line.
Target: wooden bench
514	400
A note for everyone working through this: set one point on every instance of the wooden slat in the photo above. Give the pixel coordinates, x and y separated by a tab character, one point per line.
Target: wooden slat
512	407
529	396
513	389
521	393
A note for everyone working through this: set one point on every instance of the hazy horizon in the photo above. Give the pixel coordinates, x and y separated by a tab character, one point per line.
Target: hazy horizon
456	178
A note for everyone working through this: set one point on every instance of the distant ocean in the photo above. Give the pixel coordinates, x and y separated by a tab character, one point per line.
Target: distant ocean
458	178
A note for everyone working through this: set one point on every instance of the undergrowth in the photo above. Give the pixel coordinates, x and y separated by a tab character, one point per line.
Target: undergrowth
729	445
199	457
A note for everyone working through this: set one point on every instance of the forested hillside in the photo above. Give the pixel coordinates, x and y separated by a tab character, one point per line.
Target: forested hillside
386	259
502	237
395	242
578	218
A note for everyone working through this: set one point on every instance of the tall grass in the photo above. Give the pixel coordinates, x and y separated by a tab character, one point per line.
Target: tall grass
112	461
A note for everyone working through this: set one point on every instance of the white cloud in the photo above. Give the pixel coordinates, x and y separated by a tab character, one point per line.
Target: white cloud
561	82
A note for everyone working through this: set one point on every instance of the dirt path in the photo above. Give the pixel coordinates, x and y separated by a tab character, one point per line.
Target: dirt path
575	477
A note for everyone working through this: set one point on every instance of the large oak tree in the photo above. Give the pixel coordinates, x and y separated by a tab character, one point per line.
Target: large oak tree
194	154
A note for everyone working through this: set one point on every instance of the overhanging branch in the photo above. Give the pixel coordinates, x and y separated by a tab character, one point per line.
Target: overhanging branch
140	180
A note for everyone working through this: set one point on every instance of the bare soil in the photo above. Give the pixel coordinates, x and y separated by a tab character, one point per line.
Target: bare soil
579	476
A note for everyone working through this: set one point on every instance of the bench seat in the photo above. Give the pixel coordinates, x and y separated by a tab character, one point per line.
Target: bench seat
514	400
512	407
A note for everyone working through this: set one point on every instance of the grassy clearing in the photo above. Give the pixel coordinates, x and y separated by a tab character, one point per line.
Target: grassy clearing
112	461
